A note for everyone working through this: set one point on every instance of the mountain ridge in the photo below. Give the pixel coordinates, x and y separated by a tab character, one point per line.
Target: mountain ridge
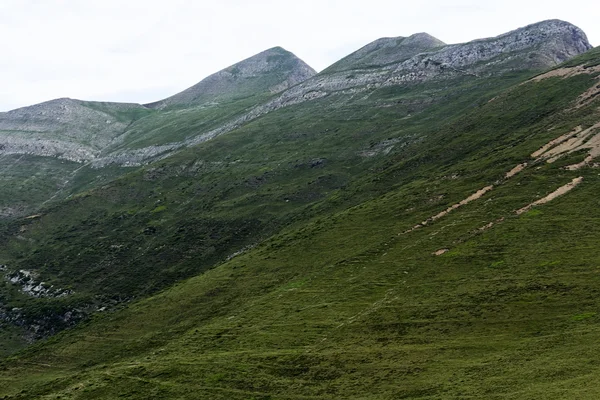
511	51
385	51
560	40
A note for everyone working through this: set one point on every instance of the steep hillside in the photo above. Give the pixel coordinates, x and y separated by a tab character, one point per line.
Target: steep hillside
460	263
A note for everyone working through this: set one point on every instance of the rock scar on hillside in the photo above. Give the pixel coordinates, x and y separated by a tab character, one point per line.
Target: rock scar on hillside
515	170
585	98
557	193
551	196
554	142
566	72
453	207
576	140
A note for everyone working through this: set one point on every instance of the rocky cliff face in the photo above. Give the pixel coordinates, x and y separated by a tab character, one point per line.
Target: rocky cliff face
271	71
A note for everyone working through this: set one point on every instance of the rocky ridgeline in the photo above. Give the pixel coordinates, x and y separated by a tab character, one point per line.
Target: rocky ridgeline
539	46
386	51
407	61
62	129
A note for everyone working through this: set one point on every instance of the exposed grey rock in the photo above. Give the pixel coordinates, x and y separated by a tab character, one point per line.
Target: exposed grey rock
46	147
26	280
137	157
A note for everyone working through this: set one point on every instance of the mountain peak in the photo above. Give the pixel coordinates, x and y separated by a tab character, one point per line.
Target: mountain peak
387	51
270	71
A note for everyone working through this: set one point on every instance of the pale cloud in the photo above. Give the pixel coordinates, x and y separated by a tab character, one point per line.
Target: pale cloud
141	51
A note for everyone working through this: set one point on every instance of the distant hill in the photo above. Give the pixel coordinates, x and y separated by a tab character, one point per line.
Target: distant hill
65	128
88	136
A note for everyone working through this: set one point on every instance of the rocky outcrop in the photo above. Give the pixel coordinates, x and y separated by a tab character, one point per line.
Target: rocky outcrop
27	283
35	326
271	71
46	148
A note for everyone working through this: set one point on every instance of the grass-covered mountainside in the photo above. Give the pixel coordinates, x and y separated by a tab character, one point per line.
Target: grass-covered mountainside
425	240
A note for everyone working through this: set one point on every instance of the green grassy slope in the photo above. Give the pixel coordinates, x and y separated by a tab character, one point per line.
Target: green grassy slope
350	304
181	216
168	126
30	182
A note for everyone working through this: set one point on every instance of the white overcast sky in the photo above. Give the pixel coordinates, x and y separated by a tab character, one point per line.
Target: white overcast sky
145	50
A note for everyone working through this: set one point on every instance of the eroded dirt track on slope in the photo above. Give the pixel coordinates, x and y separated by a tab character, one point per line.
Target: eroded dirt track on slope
567	72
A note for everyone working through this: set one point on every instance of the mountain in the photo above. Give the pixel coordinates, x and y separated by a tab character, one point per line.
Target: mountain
271	71
423	238
240	190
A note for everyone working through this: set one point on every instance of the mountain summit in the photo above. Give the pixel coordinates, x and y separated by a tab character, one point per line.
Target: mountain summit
386	51
270	71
